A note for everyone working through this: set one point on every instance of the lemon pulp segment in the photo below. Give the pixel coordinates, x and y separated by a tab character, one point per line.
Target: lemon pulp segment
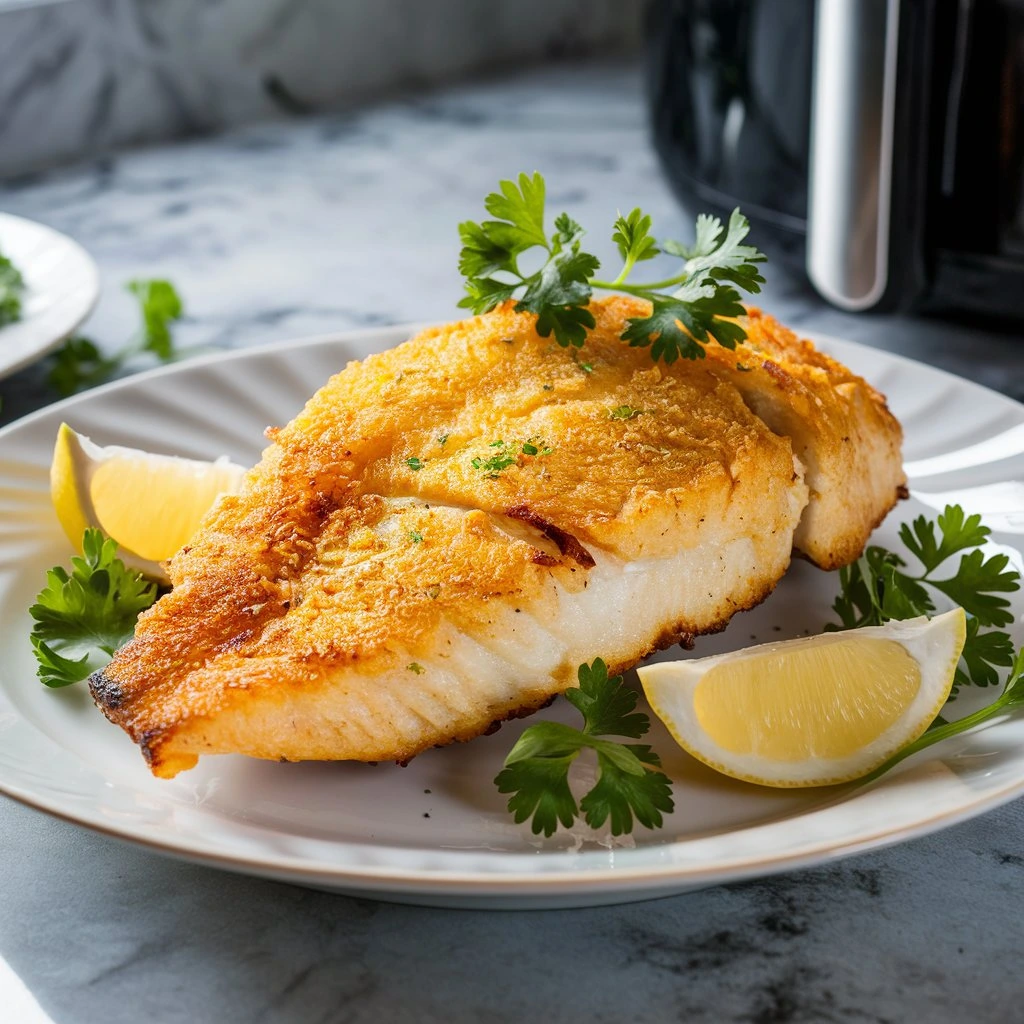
153	506
823	700
150	504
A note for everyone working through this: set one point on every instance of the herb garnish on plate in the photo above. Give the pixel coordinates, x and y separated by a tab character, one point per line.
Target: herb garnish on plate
879	586
83	617
629	783
689	307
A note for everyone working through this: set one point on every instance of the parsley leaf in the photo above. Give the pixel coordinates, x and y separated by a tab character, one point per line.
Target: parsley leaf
12	290
623	790
713	259
958	533
689	309
83	617
679	329
632	235
975	584
567	230
484	293
879	587
983	655
519	212
558	294
666	331
415	463
160	306
629	786
540	788
605	704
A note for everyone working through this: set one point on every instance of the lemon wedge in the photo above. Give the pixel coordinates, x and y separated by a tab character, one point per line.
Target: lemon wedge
150	504
814	711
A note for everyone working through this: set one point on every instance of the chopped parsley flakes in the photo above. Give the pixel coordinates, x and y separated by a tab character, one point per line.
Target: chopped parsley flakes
624	412
533	447
508	455
492	468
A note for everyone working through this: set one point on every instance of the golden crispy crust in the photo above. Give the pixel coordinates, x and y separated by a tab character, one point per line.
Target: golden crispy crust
372	592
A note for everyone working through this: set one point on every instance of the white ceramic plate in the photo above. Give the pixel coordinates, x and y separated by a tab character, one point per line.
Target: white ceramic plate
61	282
436	832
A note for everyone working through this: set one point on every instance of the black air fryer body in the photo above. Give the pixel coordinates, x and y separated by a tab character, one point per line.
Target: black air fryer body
876	144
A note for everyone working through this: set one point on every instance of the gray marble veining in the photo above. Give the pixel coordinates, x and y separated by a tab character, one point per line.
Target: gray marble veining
77	78
288	229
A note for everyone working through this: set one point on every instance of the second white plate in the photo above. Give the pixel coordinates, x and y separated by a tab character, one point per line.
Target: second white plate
62	285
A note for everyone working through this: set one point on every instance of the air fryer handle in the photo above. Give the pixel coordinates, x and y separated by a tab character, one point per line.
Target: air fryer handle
865	244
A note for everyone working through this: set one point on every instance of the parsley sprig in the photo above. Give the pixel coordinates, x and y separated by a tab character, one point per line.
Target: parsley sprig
83	617
879	586
80	364
12	290
689	308
629	785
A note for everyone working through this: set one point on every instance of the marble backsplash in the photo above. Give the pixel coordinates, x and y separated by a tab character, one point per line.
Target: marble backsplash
81	77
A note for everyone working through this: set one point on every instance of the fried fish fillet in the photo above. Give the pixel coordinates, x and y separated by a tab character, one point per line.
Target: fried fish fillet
448	529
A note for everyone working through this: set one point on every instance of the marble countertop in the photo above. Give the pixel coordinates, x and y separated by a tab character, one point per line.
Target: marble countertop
308	226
